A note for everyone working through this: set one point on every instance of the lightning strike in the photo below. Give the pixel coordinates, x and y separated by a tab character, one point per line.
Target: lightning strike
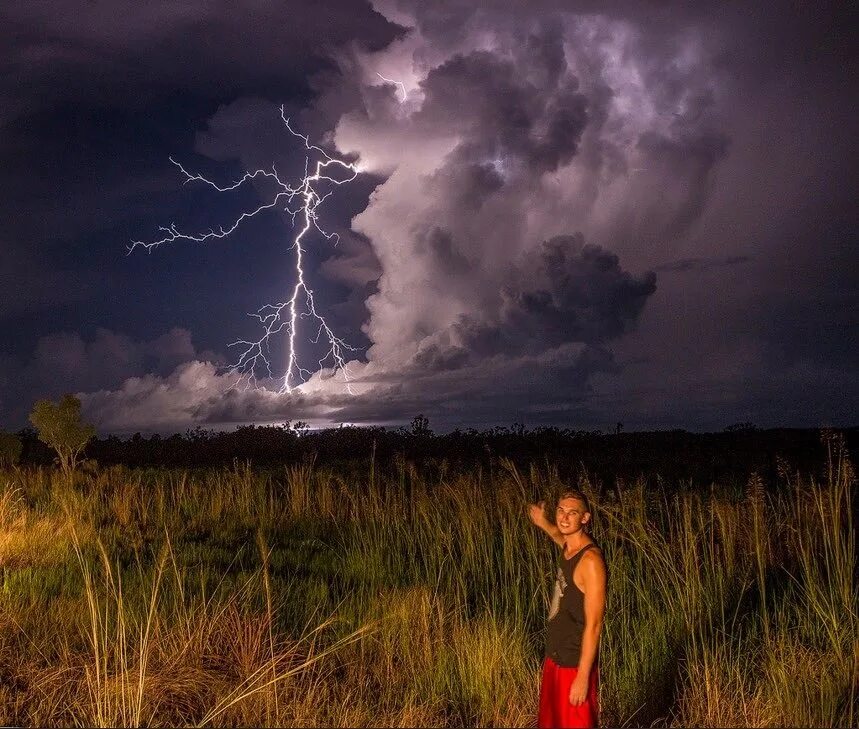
401	85
283	316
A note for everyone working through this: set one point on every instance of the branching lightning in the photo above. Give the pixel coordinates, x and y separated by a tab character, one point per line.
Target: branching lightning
283	316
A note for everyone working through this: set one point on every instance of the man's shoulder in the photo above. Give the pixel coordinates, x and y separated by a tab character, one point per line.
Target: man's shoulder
593	555
591	569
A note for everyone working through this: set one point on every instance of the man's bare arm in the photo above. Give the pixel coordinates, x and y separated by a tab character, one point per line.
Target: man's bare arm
537	514
594	576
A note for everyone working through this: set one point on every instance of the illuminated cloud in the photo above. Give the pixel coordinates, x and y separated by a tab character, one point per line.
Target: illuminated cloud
568	214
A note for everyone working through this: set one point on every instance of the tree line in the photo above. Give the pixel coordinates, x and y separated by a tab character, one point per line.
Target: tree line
60	436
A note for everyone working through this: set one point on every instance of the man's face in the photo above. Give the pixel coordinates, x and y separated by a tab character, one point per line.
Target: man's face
570	516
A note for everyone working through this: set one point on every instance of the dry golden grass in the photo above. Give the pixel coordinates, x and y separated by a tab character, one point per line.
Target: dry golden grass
235	598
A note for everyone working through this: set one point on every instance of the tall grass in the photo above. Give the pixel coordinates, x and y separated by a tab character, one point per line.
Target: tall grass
237	597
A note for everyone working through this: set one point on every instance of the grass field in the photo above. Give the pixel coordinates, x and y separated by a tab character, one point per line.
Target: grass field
300	597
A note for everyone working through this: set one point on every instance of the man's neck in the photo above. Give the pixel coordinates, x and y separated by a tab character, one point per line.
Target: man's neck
575	541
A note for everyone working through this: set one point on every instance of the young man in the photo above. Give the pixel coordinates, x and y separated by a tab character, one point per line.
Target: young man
569	691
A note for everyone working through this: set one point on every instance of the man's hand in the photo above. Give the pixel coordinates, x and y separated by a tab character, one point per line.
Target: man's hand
537	513
579	689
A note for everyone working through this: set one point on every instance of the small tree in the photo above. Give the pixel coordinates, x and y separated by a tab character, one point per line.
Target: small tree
421	427
10	449
60	427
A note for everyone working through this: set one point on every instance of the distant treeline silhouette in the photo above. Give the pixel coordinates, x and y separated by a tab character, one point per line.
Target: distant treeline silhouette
677	456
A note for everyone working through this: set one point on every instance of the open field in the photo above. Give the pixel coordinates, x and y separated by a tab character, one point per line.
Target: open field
304	596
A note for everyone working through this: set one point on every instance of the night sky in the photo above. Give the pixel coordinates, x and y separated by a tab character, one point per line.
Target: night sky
578	213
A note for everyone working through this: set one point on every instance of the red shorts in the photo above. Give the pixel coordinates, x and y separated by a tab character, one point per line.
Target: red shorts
556	711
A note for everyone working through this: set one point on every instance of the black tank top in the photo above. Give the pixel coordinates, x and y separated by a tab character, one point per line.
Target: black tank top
566	614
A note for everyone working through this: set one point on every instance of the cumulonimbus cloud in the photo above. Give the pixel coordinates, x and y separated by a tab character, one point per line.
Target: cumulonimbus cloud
527	162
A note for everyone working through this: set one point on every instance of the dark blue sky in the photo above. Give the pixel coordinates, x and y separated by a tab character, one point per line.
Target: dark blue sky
574	217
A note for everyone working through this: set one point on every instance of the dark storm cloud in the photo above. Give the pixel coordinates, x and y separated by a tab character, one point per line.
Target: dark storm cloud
475	297
500	113
574	293
761	39
130	52
708	132
544	160
550	386
579	294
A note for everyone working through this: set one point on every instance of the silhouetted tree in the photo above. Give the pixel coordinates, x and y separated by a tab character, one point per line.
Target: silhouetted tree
420	426
60	427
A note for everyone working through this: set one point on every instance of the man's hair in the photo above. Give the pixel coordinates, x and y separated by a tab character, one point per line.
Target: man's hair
576	494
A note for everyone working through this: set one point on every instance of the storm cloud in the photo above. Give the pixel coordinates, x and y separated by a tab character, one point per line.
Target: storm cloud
578	215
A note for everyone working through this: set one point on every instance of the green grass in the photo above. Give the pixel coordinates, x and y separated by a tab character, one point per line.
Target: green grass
236	597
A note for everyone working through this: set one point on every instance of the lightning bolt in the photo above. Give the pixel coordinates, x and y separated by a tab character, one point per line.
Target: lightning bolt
401	85
285	315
